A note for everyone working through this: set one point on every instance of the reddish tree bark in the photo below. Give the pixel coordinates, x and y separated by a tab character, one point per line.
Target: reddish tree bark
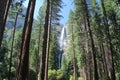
45	38
4	7
23	68
95	73
108	41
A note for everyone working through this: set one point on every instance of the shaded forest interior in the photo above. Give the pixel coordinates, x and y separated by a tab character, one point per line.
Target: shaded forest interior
86	47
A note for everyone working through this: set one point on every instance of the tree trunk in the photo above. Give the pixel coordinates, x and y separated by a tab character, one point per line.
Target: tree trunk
47	54
85	66
84	72
10	65
95	75
74	58
23	68
88	56
99	67
89	76
4	7
48	44
38	51
45	38
36	63
104	61
109	44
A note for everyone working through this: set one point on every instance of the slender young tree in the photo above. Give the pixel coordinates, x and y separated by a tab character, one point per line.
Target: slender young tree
45	39
48	44
54	21
74	58
108	41
40	24
38	51
4	7
23	68
53	18
37	59
12	47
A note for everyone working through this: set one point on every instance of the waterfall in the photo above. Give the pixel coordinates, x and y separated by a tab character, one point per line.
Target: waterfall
61	45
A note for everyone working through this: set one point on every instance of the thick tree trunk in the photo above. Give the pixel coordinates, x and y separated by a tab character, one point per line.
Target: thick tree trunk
11	52
109	44
95	74
23	68
4	7
45	36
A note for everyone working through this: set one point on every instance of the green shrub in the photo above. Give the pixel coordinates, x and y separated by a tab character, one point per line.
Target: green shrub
55	74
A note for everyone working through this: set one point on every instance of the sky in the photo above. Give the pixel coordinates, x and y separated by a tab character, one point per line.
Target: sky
38	4
67	5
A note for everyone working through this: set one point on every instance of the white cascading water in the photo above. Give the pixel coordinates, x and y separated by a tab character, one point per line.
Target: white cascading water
61	44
